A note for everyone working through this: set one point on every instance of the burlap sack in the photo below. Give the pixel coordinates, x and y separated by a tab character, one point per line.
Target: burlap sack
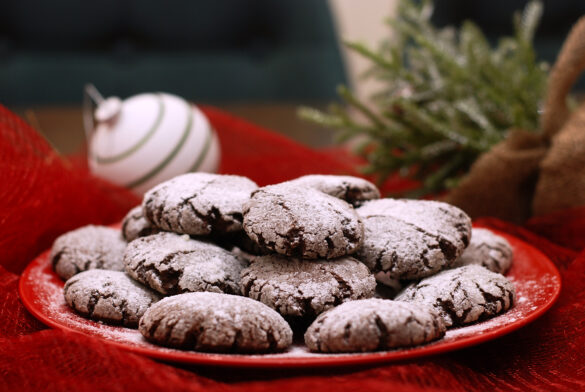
535	173
501	182
561	182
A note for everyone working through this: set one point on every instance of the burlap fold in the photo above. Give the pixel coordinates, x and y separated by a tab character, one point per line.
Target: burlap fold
561	182
501	182
531	174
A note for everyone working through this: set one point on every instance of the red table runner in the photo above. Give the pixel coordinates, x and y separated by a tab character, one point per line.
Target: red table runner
43	195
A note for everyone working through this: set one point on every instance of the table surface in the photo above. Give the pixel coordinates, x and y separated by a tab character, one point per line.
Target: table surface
63	125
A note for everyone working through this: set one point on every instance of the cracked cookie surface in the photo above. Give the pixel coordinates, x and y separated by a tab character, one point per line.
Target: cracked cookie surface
411	239
373	324
85	248
135	225
109	296
463	295
301	289
198	203
487	249
302	222
216	322
172	263
353	190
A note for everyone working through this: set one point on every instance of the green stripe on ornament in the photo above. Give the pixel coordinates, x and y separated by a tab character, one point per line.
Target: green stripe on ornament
169	157
142	141
204	151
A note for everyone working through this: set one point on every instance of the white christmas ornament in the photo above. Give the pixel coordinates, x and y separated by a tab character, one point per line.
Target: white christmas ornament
149	138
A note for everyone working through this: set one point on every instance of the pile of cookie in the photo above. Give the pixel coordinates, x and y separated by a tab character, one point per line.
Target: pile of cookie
214	263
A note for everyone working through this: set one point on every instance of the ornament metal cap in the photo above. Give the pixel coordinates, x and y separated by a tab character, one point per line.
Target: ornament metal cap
108	109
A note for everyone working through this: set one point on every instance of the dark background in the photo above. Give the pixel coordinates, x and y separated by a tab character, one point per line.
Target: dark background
206	51
213	51
495	19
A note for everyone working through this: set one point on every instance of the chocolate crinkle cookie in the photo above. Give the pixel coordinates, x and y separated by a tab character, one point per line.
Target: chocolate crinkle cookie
241	240
353	190
108	296
302	222
88	247
301	289
172	263
373	324
198	203
463	295
411	239
488	250
135	225
387	287
215	322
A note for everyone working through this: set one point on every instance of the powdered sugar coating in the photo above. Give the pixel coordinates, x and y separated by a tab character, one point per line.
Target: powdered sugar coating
171	263
135	225
353	190
463	295
304	288
109	296
302	222
198	203
88	247
373	324
411	239
215	322
488	250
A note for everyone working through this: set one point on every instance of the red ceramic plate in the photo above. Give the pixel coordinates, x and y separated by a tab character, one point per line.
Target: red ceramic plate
536	279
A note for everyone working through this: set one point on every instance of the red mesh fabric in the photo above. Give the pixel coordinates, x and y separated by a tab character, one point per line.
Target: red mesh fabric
43	195
15	319
269	158
562	227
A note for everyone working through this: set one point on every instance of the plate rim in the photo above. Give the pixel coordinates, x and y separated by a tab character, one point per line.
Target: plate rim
323	360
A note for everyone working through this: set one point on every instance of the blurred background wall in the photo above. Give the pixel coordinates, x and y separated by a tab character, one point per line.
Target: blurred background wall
218	51
361	21
221	50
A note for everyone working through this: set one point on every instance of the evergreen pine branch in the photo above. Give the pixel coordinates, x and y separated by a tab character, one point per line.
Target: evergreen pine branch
350	99
529	22
318	117
448	96
369	54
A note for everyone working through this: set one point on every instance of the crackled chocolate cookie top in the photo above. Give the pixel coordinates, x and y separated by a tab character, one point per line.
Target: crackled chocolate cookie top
171	263
109	296
411	239
304	288
198	203
135	225
354	190
463	295
302	222
87	248
215	322
373	324
488	250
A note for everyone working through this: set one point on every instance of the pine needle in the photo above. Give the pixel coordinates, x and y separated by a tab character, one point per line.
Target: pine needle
448	96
